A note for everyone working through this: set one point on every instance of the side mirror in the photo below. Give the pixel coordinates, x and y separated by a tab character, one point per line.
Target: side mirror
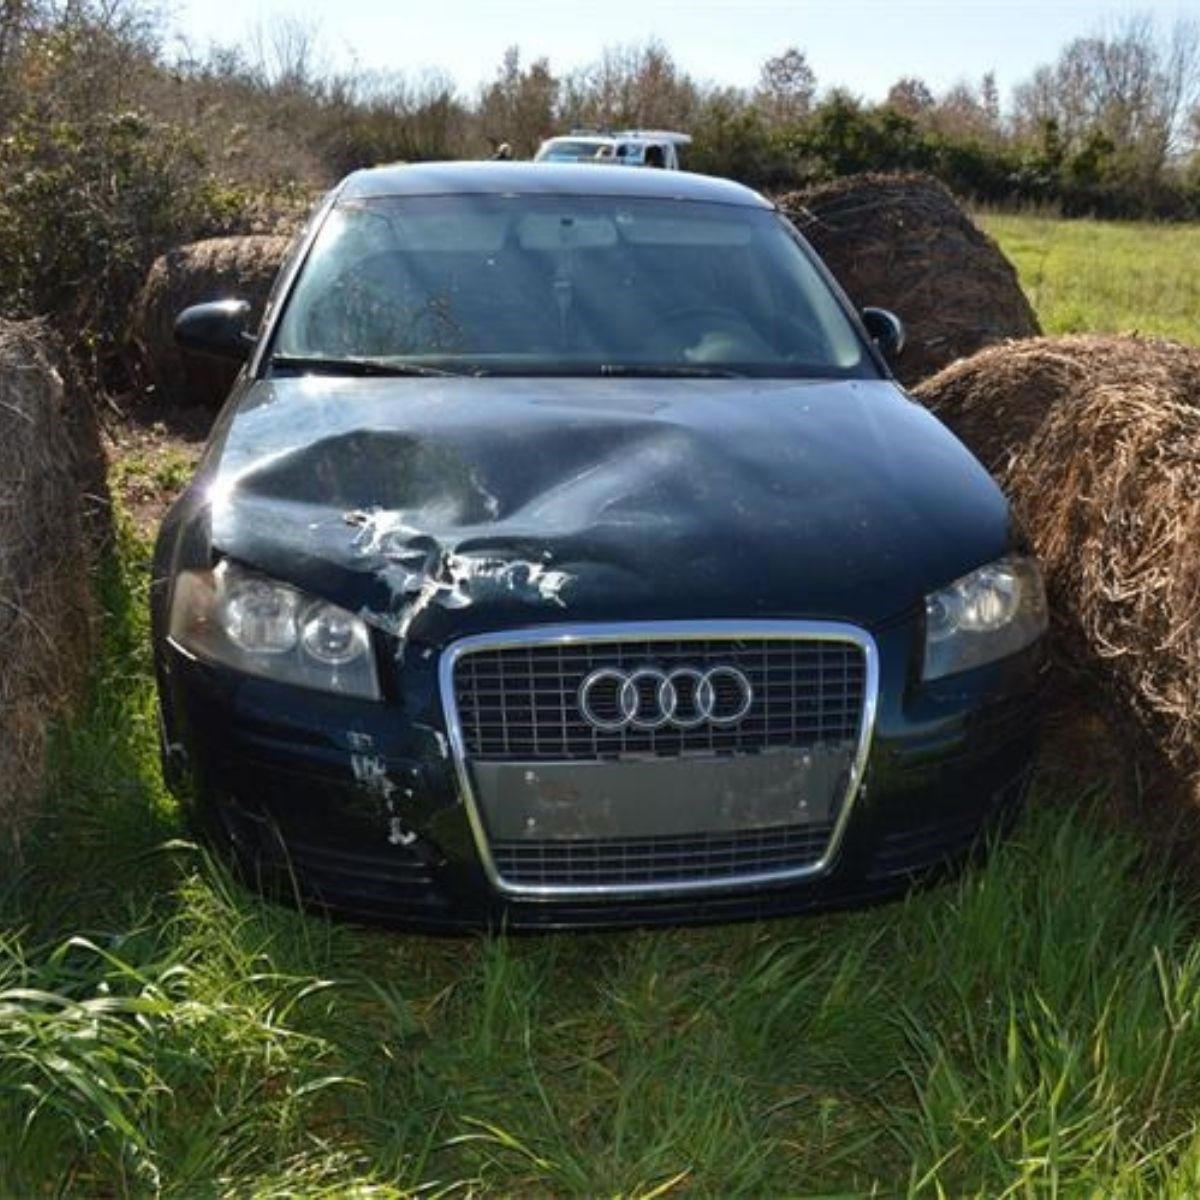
217	328
886	330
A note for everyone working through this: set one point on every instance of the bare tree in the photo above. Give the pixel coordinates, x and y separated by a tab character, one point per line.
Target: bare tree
786	86
283	53
637	85
1181	83
520	106
965	112
989	100
910	96
1134	85
17	18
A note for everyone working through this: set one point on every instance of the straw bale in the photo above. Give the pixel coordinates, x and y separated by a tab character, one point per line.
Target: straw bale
216	269
1097	442
51	489
904	243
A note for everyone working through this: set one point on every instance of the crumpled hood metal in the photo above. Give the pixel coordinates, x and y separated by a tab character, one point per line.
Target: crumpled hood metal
444	507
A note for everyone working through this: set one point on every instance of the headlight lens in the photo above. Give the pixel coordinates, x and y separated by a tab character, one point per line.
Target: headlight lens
254	624
989	614
332	635
259	616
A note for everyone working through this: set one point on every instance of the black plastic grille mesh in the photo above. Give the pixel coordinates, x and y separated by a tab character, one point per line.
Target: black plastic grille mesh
632	861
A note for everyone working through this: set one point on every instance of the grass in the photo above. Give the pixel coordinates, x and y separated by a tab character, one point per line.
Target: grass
1031	1028
1105	276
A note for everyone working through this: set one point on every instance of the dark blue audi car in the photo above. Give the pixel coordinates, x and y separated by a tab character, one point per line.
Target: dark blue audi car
566	555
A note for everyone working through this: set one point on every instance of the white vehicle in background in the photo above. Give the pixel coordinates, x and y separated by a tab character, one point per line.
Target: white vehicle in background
627	147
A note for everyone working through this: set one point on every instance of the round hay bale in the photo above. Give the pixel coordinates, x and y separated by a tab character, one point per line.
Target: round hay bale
1097	442
48	460
903	242
216	269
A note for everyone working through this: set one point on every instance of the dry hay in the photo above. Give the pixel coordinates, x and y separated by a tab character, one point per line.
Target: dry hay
50	478
904	243
216	269
1097	442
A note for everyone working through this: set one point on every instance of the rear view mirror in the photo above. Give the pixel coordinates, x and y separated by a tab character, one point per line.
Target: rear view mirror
551	232
886	330
217	328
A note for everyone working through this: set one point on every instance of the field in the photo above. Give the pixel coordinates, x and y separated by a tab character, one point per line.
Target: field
1105	277
1031	1028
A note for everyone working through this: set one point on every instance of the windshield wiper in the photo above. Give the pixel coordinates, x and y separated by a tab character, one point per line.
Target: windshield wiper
668	371
622	370
354	366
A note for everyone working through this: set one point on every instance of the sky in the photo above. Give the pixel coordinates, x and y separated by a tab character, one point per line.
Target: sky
864	45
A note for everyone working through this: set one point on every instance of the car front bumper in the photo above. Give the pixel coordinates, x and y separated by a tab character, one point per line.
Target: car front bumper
357	808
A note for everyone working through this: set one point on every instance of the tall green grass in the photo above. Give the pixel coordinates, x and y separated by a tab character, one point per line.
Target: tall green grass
1106	276
1032	1028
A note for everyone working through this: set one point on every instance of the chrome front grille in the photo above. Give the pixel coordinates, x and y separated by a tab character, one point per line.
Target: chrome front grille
630	862
564	805
522	703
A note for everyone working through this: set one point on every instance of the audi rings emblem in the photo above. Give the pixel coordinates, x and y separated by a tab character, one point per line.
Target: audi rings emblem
647	698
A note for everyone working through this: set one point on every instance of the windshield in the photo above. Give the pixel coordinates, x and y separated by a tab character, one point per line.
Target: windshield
551	284
567	151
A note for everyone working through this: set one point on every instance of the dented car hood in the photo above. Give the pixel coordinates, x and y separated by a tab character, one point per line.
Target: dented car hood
443	507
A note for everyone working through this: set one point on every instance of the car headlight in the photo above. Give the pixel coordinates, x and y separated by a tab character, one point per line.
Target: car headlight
254	624
990	613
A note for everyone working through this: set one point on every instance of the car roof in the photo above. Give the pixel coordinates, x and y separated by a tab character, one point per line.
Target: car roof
524	178
655	135
596	139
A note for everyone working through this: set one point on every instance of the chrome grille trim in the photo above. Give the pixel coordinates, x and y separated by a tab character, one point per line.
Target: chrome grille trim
669	631
521	704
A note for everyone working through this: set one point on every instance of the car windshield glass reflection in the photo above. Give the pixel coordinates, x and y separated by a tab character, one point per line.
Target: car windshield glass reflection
568	284
573	151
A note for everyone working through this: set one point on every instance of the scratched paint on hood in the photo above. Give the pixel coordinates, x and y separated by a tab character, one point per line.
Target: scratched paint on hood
423	572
